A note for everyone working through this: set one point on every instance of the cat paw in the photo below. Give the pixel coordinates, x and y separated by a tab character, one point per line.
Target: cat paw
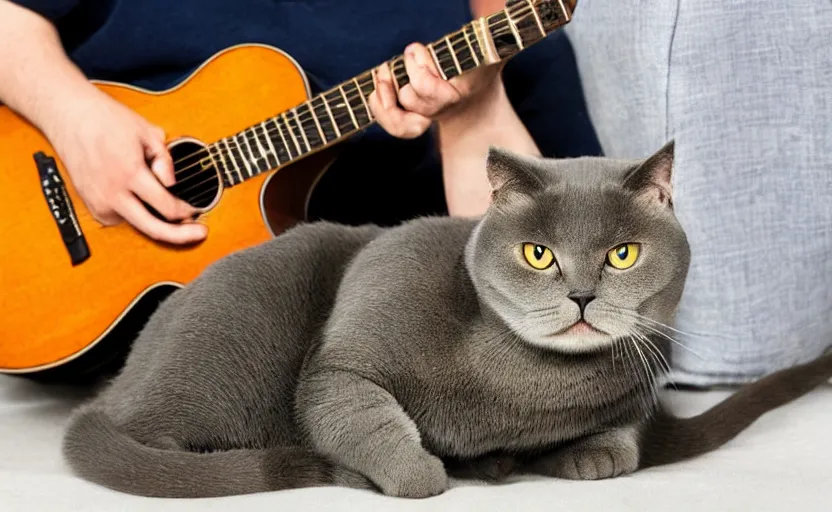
605	455
595	463
420	476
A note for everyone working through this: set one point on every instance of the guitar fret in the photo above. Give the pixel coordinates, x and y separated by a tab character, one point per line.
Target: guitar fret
527	24
361	110
399	72
462	53
391	68
340	112
513	27
537	18
221	161
553	15
291	133
262	163
447	60
470	46
300	129
283	147
256	152
349	107
436	61
334	122
363	98
327	124
234	160
318	125
286	145
263	145
453	55
247	159
314	137
272	150
506	44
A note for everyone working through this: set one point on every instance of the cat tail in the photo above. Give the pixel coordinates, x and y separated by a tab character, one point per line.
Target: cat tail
97	451
669	439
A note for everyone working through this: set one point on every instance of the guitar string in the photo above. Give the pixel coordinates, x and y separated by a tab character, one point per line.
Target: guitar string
233	144
257	130
458	42
356	93
213	174
223	153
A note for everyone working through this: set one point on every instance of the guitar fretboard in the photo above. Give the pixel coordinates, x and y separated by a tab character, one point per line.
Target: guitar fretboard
344	110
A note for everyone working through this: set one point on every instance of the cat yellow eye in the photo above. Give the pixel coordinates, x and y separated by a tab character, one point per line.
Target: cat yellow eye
539	257
623	257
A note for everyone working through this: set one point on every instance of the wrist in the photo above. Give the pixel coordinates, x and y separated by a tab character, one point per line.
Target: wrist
485	121
480	90
477	112
58	108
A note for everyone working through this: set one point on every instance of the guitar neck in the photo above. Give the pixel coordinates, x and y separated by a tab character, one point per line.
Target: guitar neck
344	110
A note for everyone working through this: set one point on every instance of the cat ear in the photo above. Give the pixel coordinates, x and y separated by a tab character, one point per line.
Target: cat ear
510	172
653	178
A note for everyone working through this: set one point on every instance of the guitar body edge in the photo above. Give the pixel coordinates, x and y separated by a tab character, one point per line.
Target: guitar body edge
55	313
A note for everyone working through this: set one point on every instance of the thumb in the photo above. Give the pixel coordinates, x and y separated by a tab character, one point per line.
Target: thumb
158	156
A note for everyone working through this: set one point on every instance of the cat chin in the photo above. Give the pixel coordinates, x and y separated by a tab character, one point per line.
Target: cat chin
574	343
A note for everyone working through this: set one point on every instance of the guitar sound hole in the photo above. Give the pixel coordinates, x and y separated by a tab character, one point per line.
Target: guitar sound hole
197	180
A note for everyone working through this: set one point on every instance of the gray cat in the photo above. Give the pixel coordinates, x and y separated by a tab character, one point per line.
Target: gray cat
532	340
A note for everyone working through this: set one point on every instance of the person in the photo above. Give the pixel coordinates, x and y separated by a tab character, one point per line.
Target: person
50	49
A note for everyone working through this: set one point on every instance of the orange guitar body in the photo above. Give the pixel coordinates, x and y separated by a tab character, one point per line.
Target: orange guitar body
53	312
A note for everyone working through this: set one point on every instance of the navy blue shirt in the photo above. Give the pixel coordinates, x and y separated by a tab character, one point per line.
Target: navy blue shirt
155	43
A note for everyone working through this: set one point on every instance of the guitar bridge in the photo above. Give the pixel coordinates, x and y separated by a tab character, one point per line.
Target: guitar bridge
60	205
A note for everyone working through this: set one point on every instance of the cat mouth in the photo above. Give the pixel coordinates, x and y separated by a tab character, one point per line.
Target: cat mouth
579	328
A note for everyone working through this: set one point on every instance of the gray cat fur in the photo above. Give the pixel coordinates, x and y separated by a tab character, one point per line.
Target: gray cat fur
389	358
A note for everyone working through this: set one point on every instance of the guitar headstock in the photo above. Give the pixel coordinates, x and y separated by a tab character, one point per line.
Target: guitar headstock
525	22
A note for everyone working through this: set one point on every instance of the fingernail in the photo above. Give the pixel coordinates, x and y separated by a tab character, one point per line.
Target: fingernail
158	168
382	92
426	64
200	230
385	100
419	57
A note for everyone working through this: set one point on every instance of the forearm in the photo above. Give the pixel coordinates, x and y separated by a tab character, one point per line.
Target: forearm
464	140
36	76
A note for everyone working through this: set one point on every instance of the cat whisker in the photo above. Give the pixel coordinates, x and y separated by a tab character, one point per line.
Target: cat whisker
541	313
658	356
652	348
633	369
648	370
643	321
669	338
674	329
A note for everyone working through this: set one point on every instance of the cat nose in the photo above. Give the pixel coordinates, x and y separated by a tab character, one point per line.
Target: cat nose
582	299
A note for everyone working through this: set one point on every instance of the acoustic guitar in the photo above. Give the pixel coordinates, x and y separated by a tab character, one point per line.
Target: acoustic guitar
249	143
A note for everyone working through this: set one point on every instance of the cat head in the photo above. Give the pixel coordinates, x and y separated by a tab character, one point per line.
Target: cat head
574	254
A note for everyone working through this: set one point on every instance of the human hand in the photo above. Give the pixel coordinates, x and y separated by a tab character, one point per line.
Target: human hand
105	148
427	97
